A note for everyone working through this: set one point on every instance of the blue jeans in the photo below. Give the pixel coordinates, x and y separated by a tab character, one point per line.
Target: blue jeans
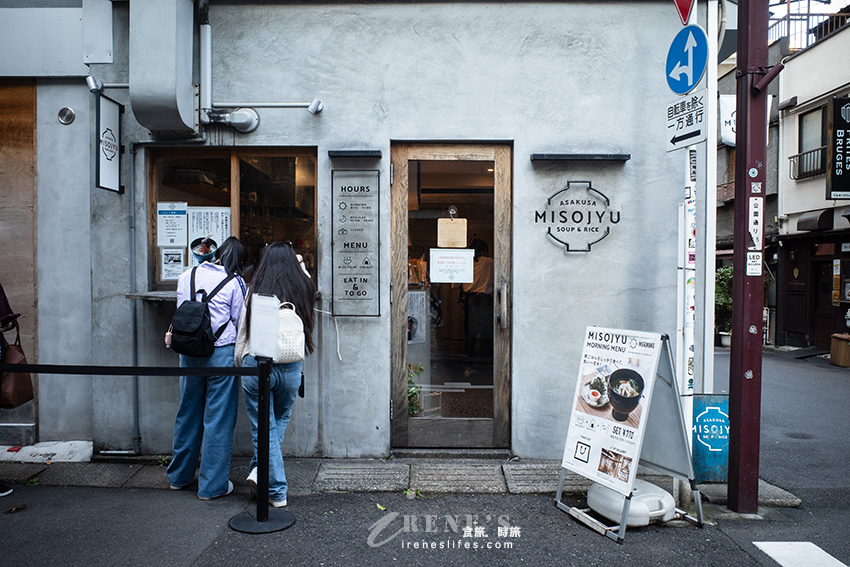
284	382
204	425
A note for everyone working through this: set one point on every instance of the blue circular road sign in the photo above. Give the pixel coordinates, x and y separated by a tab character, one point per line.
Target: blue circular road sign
686	59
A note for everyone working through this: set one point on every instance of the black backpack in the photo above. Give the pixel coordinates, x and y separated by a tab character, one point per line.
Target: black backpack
191	326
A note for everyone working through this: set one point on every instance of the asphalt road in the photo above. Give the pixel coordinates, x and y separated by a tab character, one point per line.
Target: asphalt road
803	450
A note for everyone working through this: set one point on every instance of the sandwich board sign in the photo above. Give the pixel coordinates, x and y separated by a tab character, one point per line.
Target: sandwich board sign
626	412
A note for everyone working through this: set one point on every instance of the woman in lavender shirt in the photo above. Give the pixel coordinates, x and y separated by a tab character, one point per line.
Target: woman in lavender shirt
207	413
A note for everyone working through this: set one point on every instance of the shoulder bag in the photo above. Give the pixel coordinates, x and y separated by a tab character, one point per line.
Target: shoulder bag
15	387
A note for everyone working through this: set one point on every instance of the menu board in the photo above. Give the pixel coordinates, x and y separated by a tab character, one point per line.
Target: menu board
356	230
207	221
610	406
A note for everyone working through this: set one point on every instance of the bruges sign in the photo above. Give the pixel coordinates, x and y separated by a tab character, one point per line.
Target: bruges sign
578	216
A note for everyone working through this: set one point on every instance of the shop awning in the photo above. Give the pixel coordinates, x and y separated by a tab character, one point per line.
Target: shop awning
815	220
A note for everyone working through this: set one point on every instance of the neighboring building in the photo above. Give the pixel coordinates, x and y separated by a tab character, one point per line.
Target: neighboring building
726	87
813	293
481	108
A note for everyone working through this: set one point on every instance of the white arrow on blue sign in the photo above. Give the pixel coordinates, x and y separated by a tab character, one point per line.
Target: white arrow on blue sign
686	59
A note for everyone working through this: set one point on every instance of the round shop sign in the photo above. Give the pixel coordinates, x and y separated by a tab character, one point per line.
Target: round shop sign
108	144
578	216
712	428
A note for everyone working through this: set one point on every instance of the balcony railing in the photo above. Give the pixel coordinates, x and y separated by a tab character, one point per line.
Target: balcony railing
805	29
808	164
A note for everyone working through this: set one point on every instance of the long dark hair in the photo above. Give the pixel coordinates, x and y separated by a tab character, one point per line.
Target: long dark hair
232	254
279	273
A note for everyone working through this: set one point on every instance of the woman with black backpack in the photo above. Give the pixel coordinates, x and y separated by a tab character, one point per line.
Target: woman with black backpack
206	417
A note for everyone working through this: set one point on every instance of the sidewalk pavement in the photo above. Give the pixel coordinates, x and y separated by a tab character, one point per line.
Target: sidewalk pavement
414	472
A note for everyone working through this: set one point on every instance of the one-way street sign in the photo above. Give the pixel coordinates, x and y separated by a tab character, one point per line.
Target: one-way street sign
686	59
686	124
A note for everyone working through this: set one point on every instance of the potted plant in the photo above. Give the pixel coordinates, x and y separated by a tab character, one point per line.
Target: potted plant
723	304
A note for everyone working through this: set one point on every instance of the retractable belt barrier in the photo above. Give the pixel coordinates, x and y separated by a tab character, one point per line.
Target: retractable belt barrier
266	521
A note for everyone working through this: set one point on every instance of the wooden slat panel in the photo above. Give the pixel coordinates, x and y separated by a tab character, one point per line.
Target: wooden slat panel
502	231
398	298
449	152
18	206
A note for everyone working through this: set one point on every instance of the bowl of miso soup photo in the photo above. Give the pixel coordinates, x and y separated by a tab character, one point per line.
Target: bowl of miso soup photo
625	387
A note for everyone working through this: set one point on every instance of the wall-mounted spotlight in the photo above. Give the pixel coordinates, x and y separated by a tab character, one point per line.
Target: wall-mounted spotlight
315	107
93	84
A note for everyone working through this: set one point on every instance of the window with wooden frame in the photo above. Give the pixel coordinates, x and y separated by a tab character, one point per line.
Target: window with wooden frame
259	195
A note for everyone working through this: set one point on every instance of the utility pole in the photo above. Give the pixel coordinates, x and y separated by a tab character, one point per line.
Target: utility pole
753	76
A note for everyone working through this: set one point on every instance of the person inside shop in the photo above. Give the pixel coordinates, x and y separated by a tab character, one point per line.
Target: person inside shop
477	299
281	273
206	416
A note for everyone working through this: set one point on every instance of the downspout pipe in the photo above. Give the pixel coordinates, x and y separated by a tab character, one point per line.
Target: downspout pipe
137	436
205	60
131	195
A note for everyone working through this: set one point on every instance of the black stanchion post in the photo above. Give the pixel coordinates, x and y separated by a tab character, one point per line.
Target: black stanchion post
265	365
266	521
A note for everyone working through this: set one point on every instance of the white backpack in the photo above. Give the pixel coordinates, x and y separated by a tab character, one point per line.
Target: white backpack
290	335
267	316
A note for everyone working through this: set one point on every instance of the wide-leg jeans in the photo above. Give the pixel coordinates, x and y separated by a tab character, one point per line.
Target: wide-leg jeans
284	382
204	425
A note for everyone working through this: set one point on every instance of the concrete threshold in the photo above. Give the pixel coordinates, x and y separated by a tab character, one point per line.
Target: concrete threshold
426	471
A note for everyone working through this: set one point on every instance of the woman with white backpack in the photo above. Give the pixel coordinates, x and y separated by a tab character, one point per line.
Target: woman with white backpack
280	277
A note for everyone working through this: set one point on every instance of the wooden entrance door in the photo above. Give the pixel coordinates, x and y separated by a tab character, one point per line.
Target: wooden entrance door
451	343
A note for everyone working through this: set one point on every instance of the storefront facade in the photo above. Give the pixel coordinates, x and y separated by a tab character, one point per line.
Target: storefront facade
813	294
541	125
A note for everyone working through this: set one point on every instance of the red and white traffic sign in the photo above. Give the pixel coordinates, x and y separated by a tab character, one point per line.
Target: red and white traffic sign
684	7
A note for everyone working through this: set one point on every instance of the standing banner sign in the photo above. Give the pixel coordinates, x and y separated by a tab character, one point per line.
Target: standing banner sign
611	400
622	376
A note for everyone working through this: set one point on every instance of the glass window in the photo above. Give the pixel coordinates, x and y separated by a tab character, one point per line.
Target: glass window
257	195
812	130
811	159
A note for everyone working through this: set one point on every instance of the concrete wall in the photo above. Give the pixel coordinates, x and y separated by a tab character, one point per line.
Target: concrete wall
805	77
545	77
65	261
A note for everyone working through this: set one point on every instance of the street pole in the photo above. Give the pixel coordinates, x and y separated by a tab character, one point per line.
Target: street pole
748	284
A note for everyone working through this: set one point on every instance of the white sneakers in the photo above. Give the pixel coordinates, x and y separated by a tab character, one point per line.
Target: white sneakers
252	484
252	481
228	491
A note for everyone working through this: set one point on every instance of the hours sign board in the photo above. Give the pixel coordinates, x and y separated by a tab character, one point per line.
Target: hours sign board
356	233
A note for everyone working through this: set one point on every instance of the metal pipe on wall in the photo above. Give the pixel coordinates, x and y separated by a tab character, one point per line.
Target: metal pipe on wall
131	194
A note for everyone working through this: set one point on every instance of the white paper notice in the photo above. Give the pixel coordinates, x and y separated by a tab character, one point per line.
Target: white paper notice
451	265
172	263
171	225
417	316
